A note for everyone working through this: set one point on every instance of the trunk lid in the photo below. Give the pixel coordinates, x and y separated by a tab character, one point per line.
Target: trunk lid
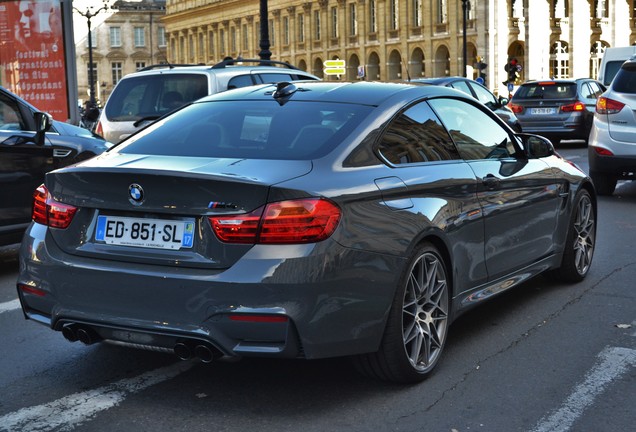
150	195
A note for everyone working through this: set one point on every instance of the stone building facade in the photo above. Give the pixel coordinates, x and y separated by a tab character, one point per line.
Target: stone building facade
395	39
132	37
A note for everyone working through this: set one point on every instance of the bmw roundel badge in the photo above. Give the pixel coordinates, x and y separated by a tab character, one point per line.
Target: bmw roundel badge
136	194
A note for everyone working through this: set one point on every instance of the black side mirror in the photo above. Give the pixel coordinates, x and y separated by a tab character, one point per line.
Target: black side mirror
503	101
43	122
536	146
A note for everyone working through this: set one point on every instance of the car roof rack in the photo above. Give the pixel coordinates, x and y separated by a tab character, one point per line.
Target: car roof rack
167	65
229	61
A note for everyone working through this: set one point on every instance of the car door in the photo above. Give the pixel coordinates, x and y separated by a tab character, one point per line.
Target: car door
23	165
519	195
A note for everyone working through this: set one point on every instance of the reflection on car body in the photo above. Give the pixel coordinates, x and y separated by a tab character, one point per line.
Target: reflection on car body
306	220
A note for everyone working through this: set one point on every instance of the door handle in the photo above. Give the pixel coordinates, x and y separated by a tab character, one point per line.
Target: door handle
491	182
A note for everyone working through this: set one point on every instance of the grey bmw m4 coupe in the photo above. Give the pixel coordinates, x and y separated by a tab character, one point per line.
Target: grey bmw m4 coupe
304	220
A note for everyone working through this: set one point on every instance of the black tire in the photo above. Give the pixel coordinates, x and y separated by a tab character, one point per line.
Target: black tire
604	184
580	241
418	321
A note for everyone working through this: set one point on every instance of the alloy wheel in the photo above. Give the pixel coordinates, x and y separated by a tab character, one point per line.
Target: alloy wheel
425	312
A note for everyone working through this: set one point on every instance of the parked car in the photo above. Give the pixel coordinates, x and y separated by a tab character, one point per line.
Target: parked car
559	109
612	149
31	144
142	97
304	220
479	92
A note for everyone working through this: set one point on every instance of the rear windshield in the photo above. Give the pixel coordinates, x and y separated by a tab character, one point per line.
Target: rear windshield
250	129
154	95
546	91
625	80
611	68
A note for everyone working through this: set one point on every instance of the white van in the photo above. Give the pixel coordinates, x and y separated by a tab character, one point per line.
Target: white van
613	58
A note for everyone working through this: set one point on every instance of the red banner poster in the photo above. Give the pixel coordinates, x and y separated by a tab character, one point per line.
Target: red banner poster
32	54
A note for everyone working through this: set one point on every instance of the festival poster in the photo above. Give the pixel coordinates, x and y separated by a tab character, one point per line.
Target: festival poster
32	54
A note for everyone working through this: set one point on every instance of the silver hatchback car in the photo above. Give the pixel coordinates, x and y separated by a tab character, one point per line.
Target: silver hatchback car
612	143
142	97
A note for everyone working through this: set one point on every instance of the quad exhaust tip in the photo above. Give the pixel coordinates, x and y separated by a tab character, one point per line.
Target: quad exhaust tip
184	350
204	352
84	334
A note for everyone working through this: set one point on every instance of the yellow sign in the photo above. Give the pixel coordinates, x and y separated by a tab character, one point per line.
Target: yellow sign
334	67
334	71
334	64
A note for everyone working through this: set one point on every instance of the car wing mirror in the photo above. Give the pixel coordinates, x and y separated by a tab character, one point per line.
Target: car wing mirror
503	101
43	122
536	146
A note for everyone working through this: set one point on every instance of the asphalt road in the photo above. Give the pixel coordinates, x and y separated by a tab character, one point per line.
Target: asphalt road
545	357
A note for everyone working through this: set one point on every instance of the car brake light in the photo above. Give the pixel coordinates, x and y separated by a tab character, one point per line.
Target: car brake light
603	151
294	221
47	211
515	108
606	105
28	289
259	318
576	106
99	130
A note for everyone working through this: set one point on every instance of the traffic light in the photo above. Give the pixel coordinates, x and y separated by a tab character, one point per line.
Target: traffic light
480	66
512	68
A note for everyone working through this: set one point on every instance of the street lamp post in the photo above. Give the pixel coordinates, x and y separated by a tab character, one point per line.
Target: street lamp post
89	14
265	53
465	4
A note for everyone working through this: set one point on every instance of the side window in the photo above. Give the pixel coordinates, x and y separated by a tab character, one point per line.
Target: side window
273	77
416	136
596	89
461	85
484	96
587	92
10	118
304	77
240	81
476	134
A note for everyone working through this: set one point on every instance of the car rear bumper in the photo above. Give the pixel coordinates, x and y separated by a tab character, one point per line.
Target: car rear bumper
622	164
622	167
559	132
306	301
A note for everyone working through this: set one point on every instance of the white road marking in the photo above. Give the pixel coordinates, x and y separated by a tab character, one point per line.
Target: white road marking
613	363
9	306
71	411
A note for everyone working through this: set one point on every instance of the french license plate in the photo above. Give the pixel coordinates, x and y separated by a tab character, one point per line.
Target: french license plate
542	111
146	233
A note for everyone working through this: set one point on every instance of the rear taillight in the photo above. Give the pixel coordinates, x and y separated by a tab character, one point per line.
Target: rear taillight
99	130
576	106
515	108
295	221
606	105
47	211
603	151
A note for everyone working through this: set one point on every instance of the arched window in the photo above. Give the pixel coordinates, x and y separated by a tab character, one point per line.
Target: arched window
596	55
560	60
